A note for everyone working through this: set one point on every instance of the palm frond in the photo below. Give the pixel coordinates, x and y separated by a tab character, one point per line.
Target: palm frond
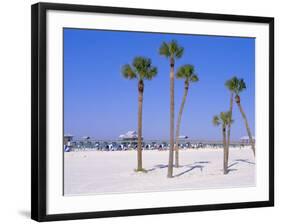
216	120
151	73
164	50
141	63
181	73
226	118
144	68
171	49
235	85
175	49
179	52
184	72
232	84
141	69
223	118
242	85
194	78
173	45
128	72
187	72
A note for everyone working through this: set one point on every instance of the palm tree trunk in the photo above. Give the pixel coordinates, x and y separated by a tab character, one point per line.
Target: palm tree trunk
224	150
139	154
172	117
229	126
247	127
178	127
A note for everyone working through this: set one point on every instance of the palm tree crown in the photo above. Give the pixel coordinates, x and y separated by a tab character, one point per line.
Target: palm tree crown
141	69
224	118
171	50
235	85
186	72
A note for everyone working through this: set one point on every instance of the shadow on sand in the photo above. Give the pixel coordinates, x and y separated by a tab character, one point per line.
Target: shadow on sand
198	165
159	166
237	161
245	161
189	166
190	169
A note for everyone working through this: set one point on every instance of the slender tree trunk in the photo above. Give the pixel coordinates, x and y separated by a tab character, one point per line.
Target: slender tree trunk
247	127
229	126
172	117
224	150
178	126
140	101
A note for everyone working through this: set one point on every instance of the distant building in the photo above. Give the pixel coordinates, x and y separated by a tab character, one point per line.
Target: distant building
129	136
245	140
183	138
67	138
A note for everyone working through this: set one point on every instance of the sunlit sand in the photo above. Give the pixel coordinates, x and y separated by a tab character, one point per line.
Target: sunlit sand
98	172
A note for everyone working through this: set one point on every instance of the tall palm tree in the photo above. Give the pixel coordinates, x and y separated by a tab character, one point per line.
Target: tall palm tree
239	86
230	85
224	119
171	51
185	72
141	69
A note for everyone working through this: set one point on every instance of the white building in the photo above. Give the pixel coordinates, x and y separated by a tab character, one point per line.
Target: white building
246	140
130	135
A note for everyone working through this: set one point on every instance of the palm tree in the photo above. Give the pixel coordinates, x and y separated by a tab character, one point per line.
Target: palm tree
230	85
172	51
141	69
239	86
224	119
185	72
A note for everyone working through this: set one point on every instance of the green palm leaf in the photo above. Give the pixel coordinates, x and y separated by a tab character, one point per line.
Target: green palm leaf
141	69
223	118
186	72
164	50
128	72
216	120
171	49
235	85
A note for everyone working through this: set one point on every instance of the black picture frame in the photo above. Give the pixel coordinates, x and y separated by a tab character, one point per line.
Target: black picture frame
38	108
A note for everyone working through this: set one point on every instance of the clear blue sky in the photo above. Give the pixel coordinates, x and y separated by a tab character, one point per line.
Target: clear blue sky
99	102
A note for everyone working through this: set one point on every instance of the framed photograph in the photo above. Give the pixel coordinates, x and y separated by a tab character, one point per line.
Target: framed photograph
140	111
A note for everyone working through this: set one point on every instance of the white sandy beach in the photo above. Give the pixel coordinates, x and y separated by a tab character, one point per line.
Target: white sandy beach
97	172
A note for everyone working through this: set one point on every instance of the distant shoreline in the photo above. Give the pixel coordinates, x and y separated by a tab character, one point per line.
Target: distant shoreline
157	140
